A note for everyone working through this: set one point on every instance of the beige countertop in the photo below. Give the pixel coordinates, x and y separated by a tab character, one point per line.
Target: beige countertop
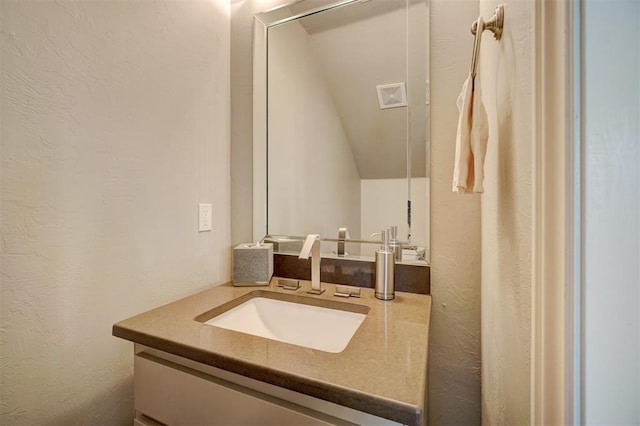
382	371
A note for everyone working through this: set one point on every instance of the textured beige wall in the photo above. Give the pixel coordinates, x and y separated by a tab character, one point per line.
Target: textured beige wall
115	125
507	80
454	356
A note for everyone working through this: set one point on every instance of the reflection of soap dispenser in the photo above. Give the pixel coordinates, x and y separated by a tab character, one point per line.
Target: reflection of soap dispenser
395	244
385	269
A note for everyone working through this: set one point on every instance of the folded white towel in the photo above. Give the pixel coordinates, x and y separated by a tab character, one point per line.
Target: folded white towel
471	139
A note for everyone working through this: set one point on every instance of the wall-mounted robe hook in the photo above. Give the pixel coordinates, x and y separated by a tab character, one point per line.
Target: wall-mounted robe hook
494	24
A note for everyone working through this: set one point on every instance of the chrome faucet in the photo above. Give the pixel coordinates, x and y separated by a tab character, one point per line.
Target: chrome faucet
311	247
343	235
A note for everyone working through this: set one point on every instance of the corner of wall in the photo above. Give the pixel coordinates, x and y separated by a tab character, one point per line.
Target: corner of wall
454	357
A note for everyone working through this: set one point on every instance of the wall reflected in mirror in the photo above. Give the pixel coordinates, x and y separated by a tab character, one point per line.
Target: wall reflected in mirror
346	122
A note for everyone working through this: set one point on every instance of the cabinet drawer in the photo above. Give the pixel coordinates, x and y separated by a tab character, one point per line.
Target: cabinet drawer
177	395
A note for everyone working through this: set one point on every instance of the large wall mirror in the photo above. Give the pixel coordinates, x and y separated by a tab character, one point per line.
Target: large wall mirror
341	122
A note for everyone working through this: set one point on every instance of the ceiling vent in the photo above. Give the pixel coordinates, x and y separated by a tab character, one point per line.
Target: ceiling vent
392	95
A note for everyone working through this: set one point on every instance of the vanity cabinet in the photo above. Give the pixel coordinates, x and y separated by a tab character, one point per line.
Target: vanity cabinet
190	372
176	391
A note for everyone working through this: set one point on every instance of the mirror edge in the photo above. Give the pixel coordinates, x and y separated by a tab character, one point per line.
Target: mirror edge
259	129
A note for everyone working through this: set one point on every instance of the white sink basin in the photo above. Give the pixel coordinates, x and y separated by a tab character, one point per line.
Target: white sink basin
315	327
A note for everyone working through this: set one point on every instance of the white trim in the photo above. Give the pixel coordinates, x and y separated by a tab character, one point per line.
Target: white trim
549	404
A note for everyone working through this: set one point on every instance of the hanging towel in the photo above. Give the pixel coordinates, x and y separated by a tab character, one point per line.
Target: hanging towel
471	139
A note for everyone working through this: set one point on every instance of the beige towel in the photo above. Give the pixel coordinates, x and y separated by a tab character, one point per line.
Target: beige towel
471	139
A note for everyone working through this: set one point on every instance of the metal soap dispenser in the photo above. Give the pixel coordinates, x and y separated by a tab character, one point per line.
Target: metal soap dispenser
385	269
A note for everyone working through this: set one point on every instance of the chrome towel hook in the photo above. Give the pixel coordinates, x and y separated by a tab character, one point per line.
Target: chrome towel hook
494	24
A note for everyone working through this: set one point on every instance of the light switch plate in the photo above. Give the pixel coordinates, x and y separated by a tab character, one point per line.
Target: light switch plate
427	93
204	217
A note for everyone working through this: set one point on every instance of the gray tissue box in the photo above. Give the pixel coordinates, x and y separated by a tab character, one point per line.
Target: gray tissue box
252	264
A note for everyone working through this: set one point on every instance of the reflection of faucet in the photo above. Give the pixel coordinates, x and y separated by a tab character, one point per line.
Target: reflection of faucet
343	235
311	247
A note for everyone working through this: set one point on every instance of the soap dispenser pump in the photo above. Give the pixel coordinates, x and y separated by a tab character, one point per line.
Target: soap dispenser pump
385	269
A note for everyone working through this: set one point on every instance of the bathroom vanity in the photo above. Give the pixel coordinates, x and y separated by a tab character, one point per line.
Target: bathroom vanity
190	372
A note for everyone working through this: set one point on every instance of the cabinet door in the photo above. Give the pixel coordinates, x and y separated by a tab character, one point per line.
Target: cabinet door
176	395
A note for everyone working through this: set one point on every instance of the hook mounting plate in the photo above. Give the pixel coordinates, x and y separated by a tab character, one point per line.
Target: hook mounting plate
494	24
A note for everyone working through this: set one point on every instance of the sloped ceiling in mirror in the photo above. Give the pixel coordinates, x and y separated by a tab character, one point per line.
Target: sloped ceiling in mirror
352	81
